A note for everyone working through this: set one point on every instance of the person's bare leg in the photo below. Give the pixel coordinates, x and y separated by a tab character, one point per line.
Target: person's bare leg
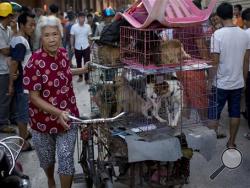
202	114
23	133
50	175
22	130
213	124
66	181
233	129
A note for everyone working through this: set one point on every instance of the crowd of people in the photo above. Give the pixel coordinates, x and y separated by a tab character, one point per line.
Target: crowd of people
19	39
36	81
36	51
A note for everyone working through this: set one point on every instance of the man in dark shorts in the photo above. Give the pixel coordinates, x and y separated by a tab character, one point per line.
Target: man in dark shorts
229	46
20	53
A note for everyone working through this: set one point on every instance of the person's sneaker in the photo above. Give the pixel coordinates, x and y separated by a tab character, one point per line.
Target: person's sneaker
220	132
244	114
28	136
80	79
247	135
221	135
87	82
27	147
7	129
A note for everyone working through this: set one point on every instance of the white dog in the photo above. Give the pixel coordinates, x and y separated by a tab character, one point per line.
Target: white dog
174	102
171	92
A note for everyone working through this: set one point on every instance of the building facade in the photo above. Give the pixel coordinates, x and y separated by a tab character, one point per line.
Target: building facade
42	3
98	5
244	3
77	5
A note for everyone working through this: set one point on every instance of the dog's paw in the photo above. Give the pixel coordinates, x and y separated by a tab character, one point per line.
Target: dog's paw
172	124
149	117
161	120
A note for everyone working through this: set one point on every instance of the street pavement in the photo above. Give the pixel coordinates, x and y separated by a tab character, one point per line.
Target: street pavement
200	168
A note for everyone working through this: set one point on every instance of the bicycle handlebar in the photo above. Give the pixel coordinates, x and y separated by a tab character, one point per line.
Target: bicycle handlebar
99	120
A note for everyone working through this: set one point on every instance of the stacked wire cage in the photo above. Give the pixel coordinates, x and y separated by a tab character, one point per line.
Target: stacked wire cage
106	67
171	70
156	73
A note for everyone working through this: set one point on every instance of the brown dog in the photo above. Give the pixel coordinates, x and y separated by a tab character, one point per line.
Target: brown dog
109	55
128	99
172	52
105	99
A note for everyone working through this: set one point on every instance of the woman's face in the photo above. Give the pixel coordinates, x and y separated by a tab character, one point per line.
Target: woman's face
51	39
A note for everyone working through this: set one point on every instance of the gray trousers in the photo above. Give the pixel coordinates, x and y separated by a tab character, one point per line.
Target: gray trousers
4	99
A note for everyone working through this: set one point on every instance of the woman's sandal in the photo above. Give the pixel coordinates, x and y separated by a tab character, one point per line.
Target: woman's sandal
29	136
29	147
231	147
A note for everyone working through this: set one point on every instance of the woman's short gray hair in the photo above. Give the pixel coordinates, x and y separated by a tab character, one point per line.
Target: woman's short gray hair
48	21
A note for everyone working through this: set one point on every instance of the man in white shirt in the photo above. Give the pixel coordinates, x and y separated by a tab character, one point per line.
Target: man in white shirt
79	40
229	49
20	53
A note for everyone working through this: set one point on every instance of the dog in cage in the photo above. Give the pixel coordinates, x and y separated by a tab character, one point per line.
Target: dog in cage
174	102
104	97
129	99
170	92
143	46
108	55
155	93
133	100
172	52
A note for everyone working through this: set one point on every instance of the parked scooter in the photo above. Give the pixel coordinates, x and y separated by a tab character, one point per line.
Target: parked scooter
11	175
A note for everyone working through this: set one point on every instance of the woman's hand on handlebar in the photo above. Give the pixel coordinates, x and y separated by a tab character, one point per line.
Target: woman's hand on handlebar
63	119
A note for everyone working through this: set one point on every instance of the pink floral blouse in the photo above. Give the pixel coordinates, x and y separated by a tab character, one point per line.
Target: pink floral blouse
52	77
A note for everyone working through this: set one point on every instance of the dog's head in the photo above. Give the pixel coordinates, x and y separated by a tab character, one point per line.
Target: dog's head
119	81
171	51
161	88
109	54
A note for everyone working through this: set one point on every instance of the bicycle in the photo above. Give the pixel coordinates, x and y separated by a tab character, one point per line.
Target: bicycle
95	155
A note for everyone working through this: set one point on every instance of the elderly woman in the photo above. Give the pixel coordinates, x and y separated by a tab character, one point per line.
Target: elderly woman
48	80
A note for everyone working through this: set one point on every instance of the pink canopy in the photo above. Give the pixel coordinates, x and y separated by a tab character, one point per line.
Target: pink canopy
169	13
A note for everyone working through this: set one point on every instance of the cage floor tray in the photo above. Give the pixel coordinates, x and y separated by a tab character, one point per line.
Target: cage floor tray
191	64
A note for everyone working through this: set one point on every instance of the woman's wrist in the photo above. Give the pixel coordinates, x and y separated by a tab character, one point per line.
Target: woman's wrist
58	112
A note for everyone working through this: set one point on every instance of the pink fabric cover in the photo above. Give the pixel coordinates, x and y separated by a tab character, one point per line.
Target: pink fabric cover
169	13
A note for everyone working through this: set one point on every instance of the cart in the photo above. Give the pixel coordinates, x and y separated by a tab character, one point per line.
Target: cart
162	81
104	157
